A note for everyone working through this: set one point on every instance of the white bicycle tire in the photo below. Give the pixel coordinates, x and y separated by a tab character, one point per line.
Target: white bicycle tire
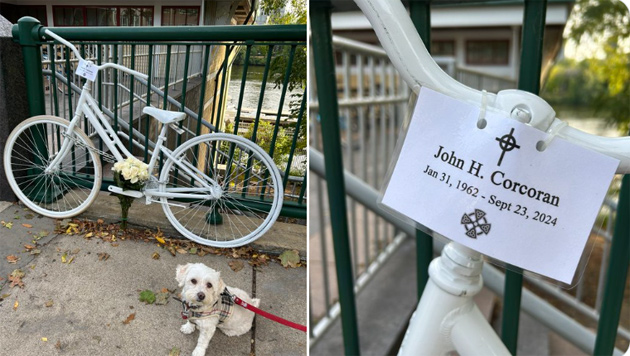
276	206
9	149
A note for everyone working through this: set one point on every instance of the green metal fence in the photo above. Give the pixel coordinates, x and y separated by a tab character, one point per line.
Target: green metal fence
534	22
191	70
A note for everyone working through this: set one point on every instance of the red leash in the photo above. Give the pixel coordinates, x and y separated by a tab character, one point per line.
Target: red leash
277	319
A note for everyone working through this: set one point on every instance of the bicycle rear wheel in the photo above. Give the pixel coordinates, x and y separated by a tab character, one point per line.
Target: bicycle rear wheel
63	192
246	198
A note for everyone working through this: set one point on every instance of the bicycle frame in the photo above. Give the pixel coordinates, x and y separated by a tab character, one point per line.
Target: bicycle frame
87	106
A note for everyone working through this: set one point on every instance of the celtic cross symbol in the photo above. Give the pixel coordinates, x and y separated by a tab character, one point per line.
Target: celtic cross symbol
475	224
507	143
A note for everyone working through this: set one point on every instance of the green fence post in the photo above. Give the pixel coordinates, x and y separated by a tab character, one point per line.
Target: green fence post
420	12
28	32
616	275
528	80
329	112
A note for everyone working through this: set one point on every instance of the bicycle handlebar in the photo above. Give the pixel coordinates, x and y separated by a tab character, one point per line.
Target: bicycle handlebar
99	67
405	48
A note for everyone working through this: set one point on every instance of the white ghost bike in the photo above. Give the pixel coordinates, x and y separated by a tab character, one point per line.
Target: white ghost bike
216	189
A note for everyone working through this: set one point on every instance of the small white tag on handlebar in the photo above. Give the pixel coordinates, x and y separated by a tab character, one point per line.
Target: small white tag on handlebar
492	190
87	70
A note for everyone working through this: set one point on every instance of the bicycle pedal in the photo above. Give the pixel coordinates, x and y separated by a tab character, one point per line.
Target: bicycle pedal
130	193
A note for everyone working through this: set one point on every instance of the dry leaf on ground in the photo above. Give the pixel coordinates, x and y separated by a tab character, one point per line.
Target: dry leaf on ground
16	305
290	258
236	265
16	278
155	256
28	226
12	259
49	304
129	318
102	256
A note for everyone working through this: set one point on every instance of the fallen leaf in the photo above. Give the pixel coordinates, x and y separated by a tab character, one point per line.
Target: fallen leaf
147	296
100	221
290	258
5	296
8	225
29	216
182	251
102	256
12	259
28	226
63	257
70	260
49	304
45	339
88	235
29	247
129	318
193	250
74	252
36	252
16	305
175	351
236	265
164	290
160	240
16	278
115	244
161	298
155	256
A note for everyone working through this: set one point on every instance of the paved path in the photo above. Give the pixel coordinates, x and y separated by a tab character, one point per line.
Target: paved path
91	298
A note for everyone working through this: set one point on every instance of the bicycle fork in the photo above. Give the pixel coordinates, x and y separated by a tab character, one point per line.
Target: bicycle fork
447	318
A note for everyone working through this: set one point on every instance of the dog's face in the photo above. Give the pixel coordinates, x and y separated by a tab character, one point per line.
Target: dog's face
202	285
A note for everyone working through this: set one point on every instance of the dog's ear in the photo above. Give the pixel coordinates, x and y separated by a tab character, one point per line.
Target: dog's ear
220	286
180	274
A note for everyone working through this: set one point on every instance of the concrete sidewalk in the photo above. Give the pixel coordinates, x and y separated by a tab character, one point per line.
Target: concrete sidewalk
78	308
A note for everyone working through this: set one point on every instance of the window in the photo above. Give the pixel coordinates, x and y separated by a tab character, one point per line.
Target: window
487	52
180	16
442	48
136	16
103	16
68	16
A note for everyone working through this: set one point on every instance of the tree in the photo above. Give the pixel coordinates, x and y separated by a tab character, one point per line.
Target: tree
285	12
607	23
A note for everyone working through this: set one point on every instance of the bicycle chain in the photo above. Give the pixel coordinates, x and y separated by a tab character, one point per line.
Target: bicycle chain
105	156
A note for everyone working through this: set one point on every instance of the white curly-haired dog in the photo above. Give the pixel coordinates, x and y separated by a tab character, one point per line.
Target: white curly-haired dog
207	305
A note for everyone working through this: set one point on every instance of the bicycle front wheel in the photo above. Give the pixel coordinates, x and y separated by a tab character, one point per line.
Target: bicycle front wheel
64	191
225	190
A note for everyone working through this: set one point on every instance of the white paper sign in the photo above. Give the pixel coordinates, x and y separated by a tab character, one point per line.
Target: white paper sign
490	189
86	70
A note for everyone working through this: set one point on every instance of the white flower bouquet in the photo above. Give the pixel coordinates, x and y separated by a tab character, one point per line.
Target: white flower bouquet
132	170
130	174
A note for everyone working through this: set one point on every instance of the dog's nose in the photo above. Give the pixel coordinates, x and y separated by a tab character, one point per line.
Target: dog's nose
201	296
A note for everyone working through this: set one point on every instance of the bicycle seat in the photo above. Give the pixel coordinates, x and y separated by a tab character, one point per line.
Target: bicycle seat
164	116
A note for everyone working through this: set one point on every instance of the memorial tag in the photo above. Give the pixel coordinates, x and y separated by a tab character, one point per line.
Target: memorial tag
492	190
87	70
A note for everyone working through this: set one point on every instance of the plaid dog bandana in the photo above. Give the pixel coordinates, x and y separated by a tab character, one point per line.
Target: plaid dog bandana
223	308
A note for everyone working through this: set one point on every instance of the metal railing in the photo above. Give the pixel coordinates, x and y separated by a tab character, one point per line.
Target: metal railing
177	61
365	134
372	103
